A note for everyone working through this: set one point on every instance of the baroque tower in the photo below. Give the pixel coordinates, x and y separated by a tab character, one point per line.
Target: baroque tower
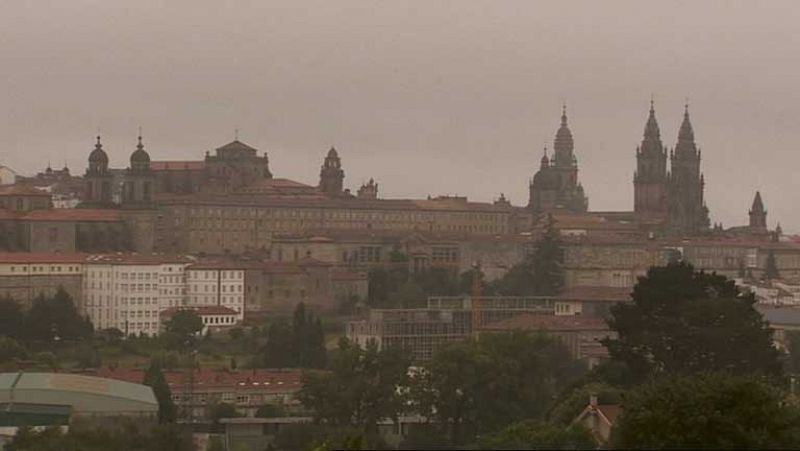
556	184
650	178
139	179
98	178
687	211
331	175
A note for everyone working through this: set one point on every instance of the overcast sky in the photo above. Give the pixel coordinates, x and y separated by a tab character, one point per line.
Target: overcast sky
427	97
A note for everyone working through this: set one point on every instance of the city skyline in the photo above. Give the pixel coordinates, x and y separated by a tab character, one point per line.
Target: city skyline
486	92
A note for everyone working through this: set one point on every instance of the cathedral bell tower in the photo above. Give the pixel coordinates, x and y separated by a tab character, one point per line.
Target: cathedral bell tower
650	178
331	175
98	178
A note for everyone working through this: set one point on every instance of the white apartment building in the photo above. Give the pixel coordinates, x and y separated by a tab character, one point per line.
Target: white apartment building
127	292
221	284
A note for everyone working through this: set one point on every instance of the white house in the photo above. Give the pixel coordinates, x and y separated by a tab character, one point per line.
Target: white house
220	284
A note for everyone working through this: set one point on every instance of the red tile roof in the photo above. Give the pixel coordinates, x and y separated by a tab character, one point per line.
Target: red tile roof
21	190
177	165
8	214
42	257
200	310
268	380
554	323
136	259
73	214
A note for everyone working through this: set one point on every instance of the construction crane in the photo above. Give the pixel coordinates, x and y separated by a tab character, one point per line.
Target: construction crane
476	302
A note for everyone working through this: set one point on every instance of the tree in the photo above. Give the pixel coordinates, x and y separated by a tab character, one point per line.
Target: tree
707	411
154	378
569	406
270	411
360	389
547	262
55	318
408	295
278	351
771	269
536	434
477	387
222	410
182	328
793	360
11	318
10	350
683	322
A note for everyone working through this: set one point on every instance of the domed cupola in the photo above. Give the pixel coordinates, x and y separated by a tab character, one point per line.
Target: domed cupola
140	159
98	159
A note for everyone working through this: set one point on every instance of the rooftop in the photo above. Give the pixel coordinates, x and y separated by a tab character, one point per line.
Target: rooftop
554	323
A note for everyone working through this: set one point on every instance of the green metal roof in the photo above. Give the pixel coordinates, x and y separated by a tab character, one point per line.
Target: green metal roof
82	393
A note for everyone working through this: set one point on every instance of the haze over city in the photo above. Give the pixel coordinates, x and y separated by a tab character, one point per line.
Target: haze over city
427	98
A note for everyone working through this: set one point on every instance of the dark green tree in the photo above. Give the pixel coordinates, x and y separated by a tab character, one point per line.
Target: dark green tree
771	269
154	378
278	351
478	387
11	318
707	411
682	322
270	411
547	262
182	328
222	410
536	434
55	318
793	345
360	389
10	350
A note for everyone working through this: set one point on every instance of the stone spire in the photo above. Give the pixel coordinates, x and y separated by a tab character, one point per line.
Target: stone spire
686	132
545	161
563	146
651	130
758	215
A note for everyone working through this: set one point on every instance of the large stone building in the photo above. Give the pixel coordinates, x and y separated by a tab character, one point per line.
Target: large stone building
555	185
677	195
26	275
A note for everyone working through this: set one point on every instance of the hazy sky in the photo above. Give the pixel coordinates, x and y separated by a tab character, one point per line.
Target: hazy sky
427	97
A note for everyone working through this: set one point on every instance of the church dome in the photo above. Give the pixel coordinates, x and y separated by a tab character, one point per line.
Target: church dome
140	155
98	155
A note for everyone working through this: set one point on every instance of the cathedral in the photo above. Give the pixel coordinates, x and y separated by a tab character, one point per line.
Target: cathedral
555	186
675	195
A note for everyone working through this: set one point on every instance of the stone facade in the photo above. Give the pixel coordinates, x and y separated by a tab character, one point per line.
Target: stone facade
24	276
555	185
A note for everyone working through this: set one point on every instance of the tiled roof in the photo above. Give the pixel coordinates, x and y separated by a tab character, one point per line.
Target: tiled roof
200	310
554	323
177	165
236	145
595	293
343	275
21	190
316	201
73	214
8	214
268	380
42	257
136	259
